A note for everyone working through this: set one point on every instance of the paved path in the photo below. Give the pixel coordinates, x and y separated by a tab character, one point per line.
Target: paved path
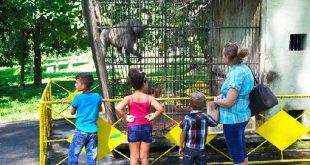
19	143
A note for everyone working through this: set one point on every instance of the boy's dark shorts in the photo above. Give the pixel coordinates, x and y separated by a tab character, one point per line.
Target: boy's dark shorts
139	133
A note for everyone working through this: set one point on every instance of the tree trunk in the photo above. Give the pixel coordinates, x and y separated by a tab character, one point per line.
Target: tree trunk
99	58
37	54
23	57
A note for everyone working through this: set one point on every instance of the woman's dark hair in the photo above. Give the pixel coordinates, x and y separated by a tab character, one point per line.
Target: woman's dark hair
234	53
85	78
136	78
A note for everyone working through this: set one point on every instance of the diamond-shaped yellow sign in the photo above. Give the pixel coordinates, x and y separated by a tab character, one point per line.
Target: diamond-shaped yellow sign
174	135
108	138
282	130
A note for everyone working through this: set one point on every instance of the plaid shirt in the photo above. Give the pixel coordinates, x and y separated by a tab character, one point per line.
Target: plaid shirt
195	124
240	78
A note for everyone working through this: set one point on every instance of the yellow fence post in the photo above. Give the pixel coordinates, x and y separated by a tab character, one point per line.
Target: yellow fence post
46	96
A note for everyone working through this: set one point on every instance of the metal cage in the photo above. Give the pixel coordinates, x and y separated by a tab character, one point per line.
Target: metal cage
181	46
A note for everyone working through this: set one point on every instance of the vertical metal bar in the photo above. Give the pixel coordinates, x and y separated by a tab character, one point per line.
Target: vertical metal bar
164	17
42	155
281	155
210	37
50	114
43	123
259	41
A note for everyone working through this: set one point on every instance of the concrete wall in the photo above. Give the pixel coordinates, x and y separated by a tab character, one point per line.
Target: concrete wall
287	72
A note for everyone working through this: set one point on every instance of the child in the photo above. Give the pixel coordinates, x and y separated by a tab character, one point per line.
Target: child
139	117
86	106
194	131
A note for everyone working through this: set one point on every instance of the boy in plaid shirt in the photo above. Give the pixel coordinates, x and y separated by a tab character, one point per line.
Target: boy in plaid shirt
194	131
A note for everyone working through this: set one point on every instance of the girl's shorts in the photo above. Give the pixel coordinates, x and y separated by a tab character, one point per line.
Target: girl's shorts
139	133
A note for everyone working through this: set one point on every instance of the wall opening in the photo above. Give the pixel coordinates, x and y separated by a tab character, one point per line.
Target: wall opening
298	42
296	113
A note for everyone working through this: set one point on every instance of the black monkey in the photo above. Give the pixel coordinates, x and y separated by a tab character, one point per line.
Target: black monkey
123	35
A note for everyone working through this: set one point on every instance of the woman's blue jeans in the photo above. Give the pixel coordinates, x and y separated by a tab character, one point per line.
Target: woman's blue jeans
235	141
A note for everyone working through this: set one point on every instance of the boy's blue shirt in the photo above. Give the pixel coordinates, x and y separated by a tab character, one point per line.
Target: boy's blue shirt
87	105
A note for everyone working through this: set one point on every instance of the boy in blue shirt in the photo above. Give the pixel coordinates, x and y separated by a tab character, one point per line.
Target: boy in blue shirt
194	131
86	106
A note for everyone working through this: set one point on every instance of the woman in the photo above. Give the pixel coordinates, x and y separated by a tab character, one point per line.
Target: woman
139	117
234	101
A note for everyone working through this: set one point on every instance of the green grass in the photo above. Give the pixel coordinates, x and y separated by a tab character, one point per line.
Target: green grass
19	103
22	103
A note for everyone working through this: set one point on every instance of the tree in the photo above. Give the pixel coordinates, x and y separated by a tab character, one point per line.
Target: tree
98	56
50	27
15	33
57	29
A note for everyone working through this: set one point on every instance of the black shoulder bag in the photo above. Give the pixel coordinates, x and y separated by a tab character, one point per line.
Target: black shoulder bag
261	98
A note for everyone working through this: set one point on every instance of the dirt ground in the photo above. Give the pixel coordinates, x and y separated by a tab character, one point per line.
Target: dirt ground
19	145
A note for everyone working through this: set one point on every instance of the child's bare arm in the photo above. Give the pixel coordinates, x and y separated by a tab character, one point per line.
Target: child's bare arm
157	106
182	140
229	100
213	114
73	111
100	108
121	106
212	122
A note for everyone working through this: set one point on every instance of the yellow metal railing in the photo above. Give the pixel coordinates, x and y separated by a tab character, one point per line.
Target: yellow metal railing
45	118
46	109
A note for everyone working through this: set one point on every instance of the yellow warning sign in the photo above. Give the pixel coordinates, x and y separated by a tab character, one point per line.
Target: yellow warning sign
108	138
174	135
282	130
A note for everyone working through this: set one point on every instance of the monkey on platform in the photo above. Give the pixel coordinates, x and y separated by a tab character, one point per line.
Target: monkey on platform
123	36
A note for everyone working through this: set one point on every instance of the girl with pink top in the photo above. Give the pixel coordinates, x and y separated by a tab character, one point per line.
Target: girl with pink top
139	119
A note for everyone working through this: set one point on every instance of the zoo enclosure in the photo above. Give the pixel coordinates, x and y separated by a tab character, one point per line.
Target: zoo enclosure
181	54
181	46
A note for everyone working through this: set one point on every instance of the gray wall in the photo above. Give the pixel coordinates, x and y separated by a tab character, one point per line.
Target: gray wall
287	72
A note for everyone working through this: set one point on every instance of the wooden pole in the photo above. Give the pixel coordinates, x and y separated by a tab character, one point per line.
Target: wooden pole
98	56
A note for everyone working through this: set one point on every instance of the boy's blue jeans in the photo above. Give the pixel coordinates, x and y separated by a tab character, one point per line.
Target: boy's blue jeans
81	139
194	156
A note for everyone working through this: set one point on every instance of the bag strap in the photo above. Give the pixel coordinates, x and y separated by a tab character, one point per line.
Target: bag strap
255	79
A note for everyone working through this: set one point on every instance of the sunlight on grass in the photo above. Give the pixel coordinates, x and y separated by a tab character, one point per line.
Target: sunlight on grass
22	103
16	110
